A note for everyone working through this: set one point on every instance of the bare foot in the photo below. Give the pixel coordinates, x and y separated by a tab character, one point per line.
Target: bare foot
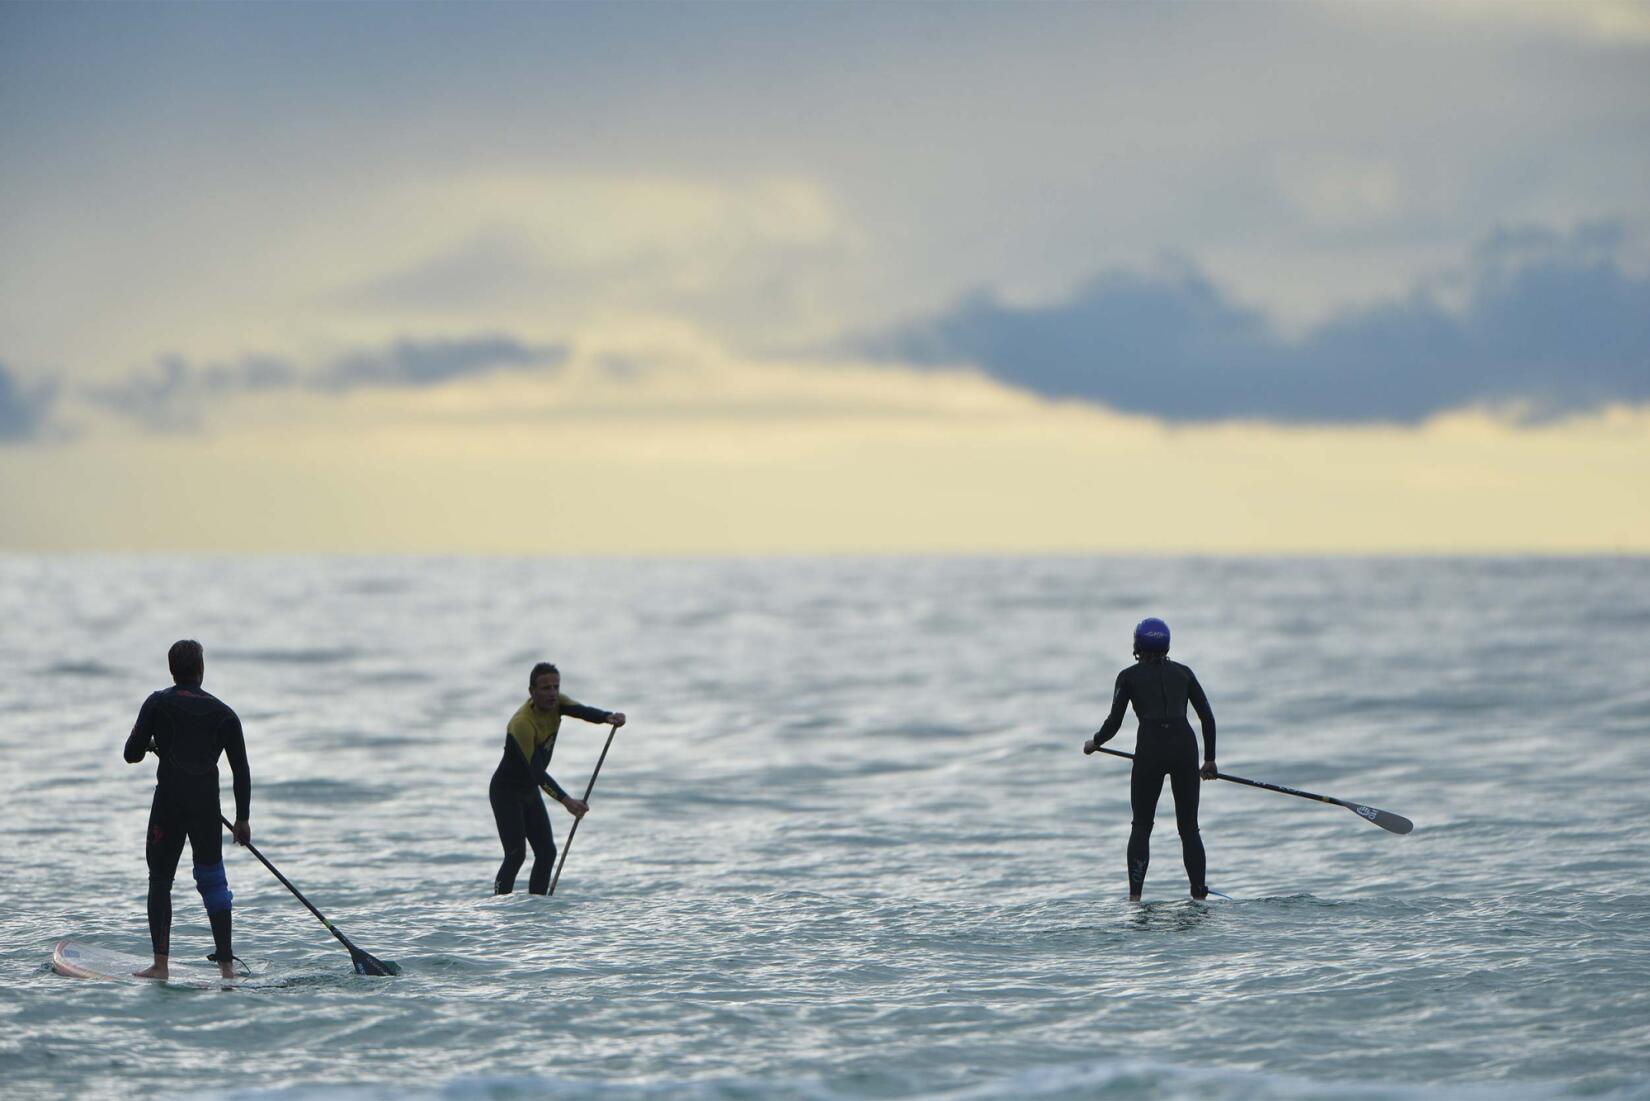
227	970
158	971
1134	898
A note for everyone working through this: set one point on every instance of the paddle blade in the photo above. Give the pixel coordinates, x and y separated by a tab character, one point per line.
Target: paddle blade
368	964
1391	823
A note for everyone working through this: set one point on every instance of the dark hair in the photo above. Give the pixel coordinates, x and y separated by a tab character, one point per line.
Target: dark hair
187	660
539	670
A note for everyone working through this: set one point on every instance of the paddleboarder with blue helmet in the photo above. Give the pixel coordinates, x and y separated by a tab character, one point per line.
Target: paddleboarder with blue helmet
1160	691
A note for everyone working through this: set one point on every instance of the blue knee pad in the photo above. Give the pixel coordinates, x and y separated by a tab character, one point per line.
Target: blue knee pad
214	887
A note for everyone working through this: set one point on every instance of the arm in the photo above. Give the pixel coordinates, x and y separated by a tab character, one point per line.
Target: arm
573	805
536	769
571	706
553	789
1119	705
588	714
138	741
234	747
1205	716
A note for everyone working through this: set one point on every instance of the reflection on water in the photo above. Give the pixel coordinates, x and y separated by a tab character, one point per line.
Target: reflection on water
1172	917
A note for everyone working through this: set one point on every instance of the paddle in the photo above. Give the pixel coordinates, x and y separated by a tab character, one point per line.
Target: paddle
590	787
365	962
1392	823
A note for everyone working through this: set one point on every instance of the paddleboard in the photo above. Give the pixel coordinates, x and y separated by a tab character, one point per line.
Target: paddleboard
1214	896
79	960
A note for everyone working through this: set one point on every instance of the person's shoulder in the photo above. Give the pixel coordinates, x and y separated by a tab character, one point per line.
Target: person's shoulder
202	698
564	700
152	704
1184	668
523	715
173	695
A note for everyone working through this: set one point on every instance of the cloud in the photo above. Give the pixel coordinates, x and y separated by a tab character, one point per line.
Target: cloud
175	394
1547	324
172	395
514	248
431	363
23	409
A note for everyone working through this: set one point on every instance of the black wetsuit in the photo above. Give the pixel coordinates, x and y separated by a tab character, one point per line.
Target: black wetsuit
1160	689
519	812
188	728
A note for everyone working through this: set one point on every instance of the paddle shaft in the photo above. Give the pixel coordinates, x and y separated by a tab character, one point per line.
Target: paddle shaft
588	788
1393	823
296	893
1251	783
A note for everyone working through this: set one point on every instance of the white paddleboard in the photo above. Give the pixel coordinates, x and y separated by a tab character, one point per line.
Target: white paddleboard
80	960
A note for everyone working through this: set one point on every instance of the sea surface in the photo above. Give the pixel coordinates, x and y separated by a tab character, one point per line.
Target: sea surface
848	845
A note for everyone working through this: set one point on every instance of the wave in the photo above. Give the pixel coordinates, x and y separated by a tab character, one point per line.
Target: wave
1109	1079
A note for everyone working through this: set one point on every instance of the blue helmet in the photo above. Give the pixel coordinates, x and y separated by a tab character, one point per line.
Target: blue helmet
1151	636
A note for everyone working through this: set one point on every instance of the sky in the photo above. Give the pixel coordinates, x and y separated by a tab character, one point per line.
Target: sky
804	278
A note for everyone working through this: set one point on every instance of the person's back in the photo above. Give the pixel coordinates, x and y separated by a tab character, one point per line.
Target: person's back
189	729
1160	691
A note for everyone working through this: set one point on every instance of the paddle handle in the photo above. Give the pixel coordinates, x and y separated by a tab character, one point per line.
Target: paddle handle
588	788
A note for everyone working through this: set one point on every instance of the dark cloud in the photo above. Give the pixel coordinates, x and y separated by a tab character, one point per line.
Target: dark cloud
23	409
429	363
1549	323
175	395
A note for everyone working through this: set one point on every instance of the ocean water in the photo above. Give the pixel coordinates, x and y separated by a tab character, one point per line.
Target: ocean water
848	846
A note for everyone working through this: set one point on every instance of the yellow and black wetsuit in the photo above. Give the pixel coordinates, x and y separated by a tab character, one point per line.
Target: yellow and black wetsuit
529	741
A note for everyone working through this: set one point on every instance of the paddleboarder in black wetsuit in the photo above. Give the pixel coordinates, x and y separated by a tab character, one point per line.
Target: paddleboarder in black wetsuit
187	729
519	813
1160	689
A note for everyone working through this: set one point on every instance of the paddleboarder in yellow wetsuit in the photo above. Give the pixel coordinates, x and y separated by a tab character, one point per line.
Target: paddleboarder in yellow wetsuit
529	740
188	728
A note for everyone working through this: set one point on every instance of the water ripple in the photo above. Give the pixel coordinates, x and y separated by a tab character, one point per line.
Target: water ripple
848	847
